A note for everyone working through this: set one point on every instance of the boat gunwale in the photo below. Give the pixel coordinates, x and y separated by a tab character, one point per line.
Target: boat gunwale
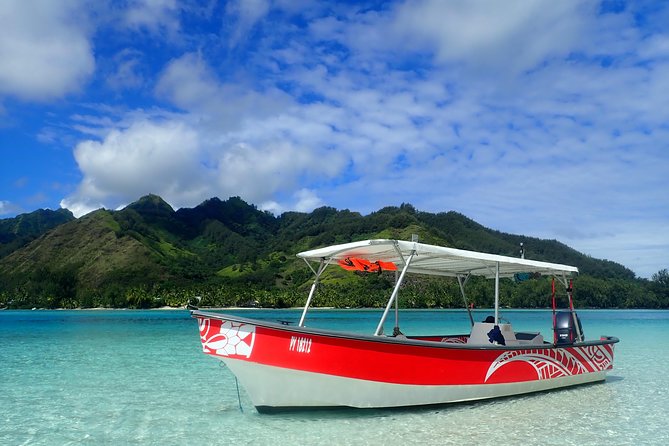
408	341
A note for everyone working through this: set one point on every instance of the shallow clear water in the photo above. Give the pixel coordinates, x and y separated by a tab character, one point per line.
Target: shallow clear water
139	377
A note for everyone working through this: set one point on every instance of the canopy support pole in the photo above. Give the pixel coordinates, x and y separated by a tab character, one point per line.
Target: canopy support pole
393	296
318	273
462	284
496	293
554	308
570	294
397	309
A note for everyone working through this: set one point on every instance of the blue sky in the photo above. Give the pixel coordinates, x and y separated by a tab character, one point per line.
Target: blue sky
549	119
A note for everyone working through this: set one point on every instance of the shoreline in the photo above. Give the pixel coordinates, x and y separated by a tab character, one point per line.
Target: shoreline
167	308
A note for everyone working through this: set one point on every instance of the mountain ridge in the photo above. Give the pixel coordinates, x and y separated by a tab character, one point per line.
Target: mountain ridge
18	231
138	255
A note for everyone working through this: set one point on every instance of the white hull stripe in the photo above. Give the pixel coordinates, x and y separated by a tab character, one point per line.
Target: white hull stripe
270	386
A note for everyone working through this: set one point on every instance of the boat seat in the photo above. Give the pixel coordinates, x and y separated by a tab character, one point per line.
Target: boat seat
480	330
530	338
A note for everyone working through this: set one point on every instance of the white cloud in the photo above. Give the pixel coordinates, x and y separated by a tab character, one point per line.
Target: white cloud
5	207
246	13
148	157
170	159
504	36
260	142
654	48
484	38
10	208
127	70
45	49
258	173
154	16
81	205
640	243
188	82
307	200
191	84
304	200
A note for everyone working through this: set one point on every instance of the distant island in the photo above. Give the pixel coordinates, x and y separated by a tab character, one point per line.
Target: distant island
229	253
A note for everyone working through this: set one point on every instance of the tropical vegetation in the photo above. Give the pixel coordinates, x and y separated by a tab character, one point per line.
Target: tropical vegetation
229	253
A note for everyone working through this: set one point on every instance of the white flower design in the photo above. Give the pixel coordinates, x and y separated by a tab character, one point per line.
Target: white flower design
233	339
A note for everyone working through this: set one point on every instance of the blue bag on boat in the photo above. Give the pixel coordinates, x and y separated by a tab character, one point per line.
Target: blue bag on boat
495	336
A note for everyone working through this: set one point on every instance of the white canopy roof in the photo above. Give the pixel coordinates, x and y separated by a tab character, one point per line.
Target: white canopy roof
436	260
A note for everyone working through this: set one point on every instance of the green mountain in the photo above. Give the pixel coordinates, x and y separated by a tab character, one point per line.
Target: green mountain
19	231
230	253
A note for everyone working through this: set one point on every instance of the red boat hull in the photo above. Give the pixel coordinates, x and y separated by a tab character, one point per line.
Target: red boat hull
284	366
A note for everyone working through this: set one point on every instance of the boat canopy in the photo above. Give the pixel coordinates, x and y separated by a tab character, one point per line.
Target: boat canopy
435	260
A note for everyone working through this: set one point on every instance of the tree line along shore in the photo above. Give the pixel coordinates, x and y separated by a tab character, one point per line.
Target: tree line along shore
228	253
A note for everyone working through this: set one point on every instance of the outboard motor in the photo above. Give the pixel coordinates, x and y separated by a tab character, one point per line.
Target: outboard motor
565	329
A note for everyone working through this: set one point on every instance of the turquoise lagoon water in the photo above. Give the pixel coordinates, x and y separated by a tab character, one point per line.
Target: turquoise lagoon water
139	377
